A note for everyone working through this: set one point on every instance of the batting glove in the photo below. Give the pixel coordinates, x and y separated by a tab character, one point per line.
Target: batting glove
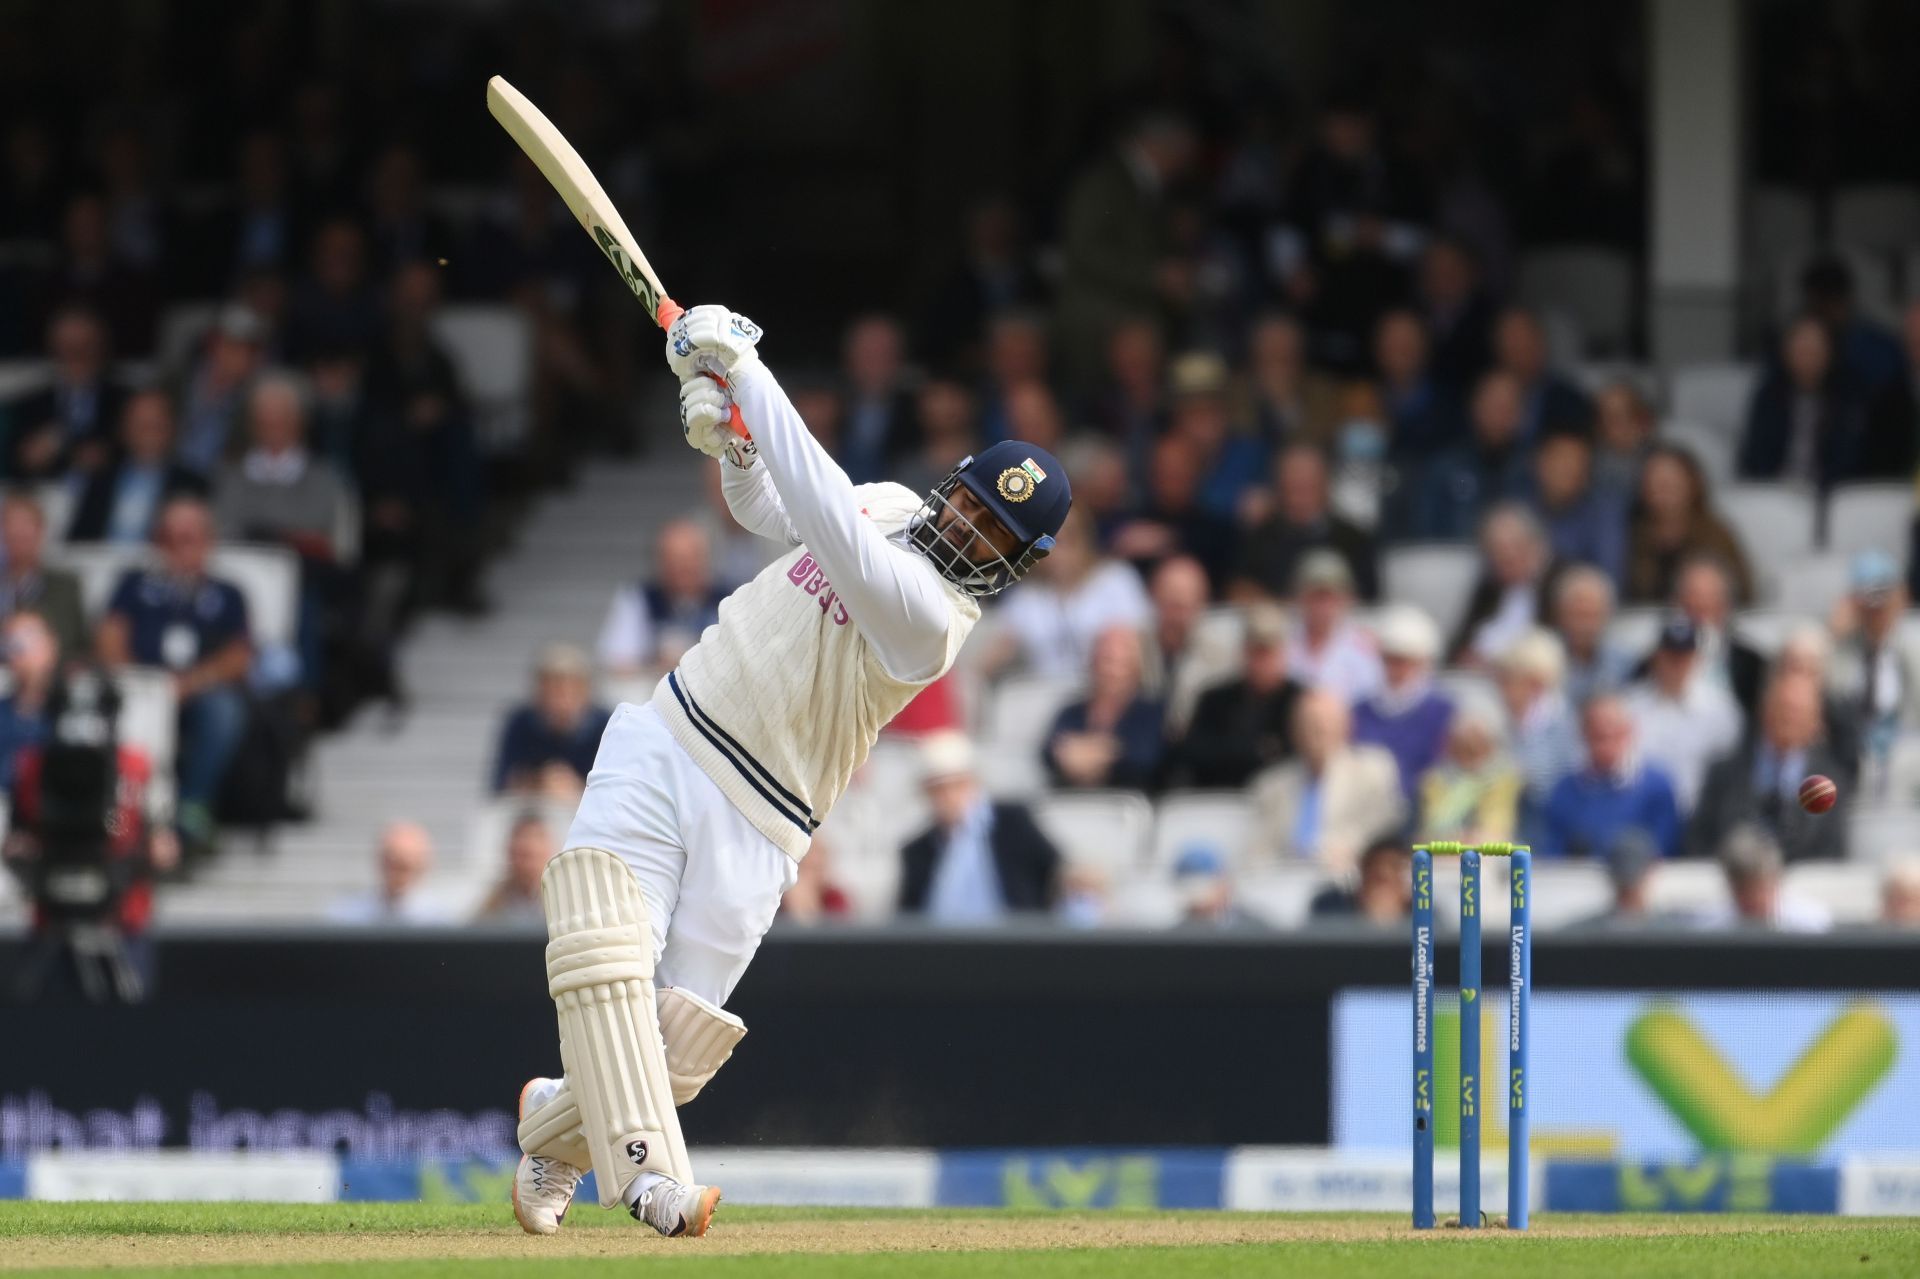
706	420
713	340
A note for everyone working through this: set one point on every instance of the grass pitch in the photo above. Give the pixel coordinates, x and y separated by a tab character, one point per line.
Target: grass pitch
426	1241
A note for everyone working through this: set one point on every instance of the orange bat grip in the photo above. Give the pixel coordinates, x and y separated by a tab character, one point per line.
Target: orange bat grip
669	312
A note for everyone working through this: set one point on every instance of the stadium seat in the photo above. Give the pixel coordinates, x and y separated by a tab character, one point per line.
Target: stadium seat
1713	449
492	347
1863	517
98	565
1565	893
20	378
1850	890
1767	628
485	851
1880	833
1810	585
1714	395
1901	787
1143	899
1020	710
181	327
1221	819
269	576
1633	630
1876	216
56	505
1437	577
1594	285
1281	896
1103	829
149	717
1687	888
1595	376
1775	523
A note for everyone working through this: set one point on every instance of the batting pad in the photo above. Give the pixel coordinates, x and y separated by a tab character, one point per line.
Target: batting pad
552	1131
700	1038
600	974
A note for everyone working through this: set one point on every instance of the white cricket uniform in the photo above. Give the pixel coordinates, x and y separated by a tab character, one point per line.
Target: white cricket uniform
711	792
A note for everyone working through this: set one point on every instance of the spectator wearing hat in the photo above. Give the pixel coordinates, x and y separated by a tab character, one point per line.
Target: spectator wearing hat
653	621
1616	790
1326	648
1900	893
69	425
26	580
1584	524
1582	608
121	501
1516	573
1870	672
1115	736
1759	784
1241	726
1490	466
1407	715
979	860
1673	520
1230	459
1756	895
1473	793
1302	521
1683	723
1381	892
1541	722
547	745
1330	800
515	896
1205	891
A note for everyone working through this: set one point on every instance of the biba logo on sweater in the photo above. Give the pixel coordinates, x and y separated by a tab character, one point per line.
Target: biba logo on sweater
806	575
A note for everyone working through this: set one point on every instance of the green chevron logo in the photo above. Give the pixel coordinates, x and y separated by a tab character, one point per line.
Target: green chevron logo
1797	1115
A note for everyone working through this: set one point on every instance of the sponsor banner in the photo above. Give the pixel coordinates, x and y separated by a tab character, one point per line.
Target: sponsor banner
1734	1183
183	1175
1880	1187
1315	1179
1664	1076
13	1179
1081	1178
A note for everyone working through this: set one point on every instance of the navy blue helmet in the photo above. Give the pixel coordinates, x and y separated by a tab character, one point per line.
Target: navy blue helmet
1022	486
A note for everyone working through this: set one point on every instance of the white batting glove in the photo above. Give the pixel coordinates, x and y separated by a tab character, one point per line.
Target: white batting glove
706	420
711	339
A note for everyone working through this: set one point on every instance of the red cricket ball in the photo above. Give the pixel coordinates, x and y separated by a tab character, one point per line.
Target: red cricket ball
1817	794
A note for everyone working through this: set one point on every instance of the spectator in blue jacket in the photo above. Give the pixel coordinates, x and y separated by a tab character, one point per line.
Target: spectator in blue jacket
1615	792
1547	398
1808	421
547	745
1584	524
1113	737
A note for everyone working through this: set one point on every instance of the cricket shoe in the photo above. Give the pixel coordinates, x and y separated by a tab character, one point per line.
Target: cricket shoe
543	1187
676	1209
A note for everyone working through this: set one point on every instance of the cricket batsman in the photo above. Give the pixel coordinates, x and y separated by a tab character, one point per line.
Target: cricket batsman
702	802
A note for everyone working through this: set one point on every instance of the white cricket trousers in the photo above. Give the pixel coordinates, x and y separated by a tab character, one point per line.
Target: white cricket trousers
712	882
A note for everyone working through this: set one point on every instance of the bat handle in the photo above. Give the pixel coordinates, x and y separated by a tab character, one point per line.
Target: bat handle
670	311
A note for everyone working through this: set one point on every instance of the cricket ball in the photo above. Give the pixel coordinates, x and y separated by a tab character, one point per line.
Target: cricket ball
1818	793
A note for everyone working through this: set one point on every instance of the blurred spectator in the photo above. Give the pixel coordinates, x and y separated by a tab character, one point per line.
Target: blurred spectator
1114	239
1584	523
1382	892
737	554
260	226
1683	723
214	393
515	898
1473	792
139	221
1205	890
1407	715
88	273
1807	651
1115	737
1425	417
1871	672
1129	408
1615	791
1458	317
1173	520
1516	573
1291	403
1543	730
33	663
1246	723
1048	625
30	193
1703	590
979	860
1332	799
1582	608
1900	893
1869	356
947	435
879	426
278	491
814	895
1755	867
1624	428
1230	459
1365	484
405	857
1760	782
401	228
547	745
335	305
1326	647
1017	354
120	502
1174	659
25	580
1491	466
69	425
1271	552
995	274
1548	400
1807	423
1633	859
651	623
180	618
1033	415
1672	521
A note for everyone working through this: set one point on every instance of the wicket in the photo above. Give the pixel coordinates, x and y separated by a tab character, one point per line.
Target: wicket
1520	994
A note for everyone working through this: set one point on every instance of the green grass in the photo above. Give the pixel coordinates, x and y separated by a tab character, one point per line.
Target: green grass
375	1241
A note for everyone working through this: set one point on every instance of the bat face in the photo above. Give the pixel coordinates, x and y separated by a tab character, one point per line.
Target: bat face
636	279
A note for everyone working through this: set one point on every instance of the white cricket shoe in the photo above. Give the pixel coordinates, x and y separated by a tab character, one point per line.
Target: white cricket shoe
676	1209
543	1187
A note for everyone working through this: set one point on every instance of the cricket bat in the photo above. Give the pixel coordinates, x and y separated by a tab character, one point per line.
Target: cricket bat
562	166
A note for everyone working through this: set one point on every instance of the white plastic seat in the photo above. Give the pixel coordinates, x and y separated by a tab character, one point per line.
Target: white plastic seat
1850	890
1566	893
182	325
1775	523
1687	888
1281	896
21	378
149	715
1767	628
1714	395
1020	710
485	853
1633	631
1880	833
1221	819
1870	517
1714	449
1438	577
492	346
1592	284
1810	585
1104	829
99	566
269	577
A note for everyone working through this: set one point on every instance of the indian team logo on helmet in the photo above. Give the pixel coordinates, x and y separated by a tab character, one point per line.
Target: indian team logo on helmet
1016	483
